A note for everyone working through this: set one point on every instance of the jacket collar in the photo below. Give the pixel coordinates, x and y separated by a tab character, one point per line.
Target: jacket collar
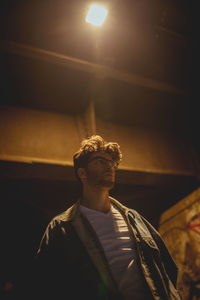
73	212
132	217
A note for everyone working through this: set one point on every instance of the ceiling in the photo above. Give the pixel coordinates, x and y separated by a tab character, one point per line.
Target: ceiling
153	40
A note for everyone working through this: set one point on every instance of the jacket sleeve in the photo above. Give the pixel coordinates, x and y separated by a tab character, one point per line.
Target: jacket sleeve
169	263
47	278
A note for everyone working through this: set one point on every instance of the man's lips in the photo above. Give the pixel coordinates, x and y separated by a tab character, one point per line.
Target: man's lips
109	173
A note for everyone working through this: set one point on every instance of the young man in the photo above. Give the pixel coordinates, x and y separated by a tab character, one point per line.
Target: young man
98	248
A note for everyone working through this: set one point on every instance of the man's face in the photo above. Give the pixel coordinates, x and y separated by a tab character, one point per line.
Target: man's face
100	170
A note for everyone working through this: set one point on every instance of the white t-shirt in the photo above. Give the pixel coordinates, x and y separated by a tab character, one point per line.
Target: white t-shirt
113	233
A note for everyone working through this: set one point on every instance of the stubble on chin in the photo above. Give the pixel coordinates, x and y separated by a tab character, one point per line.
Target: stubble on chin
101	181
107	183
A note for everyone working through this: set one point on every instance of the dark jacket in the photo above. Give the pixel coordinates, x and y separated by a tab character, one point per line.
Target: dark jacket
70	262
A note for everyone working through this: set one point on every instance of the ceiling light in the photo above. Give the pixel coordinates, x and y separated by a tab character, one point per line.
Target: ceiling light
96	15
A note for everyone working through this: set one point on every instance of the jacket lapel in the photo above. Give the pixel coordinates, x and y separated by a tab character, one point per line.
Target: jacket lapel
90	241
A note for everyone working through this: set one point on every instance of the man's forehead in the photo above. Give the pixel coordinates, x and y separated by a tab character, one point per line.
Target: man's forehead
101	154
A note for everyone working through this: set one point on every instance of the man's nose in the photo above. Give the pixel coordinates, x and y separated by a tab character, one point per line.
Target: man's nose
109	164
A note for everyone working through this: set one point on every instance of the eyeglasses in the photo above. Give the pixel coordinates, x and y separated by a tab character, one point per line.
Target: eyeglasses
104	161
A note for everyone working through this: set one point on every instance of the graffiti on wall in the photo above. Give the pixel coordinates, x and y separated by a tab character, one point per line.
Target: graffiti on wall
180	229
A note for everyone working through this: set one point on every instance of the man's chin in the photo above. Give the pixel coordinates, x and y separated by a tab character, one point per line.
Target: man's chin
107	184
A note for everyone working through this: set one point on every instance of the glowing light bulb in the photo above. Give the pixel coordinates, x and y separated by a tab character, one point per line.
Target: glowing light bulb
96	15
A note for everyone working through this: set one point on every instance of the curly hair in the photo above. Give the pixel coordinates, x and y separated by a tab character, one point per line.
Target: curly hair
93	144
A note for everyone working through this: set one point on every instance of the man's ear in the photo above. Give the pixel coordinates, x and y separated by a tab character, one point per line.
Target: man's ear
82	174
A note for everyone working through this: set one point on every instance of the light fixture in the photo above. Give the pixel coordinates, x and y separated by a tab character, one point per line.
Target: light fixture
96	15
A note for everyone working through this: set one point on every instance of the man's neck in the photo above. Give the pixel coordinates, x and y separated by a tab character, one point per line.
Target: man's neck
97	199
